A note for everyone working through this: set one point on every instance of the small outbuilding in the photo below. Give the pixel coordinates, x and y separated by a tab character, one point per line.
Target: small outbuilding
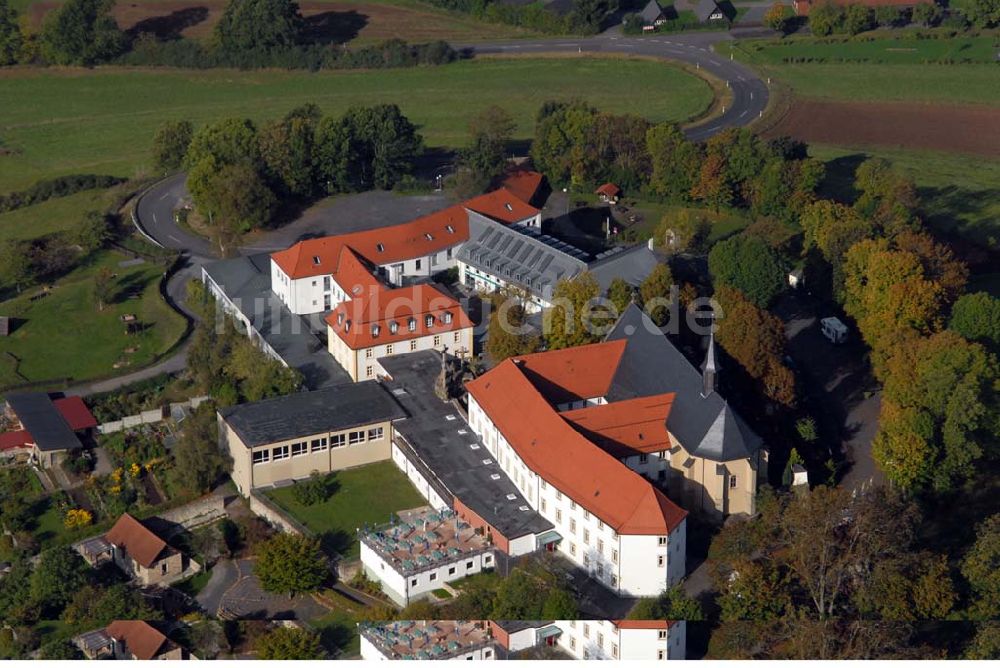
609	192
652	15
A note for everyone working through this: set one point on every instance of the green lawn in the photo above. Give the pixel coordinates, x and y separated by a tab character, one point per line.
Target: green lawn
958	193
892	73
55	215
724	223
365	495
195	583
63	335
102	120
338	629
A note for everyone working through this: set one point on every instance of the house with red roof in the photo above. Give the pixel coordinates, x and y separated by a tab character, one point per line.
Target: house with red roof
139	552
380	322
129	640
315	275
41	429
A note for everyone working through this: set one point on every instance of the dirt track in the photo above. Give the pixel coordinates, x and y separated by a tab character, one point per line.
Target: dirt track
955	129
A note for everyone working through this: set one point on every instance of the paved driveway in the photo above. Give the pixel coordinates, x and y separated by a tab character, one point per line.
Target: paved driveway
234	592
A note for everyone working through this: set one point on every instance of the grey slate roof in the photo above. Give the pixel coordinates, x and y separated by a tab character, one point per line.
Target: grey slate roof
706	426
520	255
40	418
246	281
450	464
523	256
308	413
702	9
651	13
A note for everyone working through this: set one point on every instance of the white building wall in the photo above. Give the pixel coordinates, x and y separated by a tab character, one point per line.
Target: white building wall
485	281
627	564
366	359
523	639
522	545
403	589
602	639
653	644
417	478
397	273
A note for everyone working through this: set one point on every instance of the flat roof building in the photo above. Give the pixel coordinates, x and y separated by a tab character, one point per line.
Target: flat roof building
426	640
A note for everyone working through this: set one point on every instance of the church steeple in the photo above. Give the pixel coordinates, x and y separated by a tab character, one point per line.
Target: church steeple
710	368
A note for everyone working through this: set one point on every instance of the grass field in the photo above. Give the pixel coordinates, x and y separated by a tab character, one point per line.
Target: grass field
74	120
959	193
365	495
63	335
899	75
56	215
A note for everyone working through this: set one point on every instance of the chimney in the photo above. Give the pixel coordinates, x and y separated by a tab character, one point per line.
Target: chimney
710	368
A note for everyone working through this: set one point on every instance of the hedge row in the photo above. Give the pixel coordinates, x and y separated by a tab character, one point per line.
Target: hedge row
58	187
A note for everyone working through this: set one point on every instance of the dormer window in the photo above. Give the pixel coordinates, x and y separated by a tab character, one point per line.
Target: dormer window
509	207
428	236
316	259
451	230
446	318
375	330
393	327
428	321
412	324
340	318
380	248
347	326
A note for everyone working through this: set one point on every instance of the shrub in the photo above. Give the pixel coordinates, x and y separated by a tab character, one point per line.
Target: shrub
58	187
312	491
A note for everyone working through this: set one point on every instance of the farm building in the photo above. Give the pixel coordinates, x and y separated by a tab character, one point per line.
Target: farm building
705	11
652	15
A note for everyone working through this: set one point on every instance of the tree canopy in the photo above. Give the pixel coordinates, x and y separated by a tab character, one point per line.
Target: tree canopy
287	644
82	32
749	265
568	322
266	25
290	564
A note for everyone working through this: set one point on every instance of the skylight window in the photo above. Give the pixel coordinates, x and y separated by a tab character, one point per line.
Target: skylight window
487	462
523	509
495	476
511	497
380	248
451	230
428	321
446	317
428	236
316	259
473	446
375	330
393	327
508	206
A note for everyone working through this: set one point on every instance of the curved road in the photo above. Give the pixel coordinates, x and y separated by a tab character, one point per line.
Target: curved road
749	100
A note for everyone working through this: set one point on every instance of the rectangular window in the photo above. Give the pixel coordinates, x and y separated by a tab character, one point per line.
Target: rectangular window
586	536
572	643
614	651
299	449
413	345
261	456
572	526
614	556
280	452
375	434
433	577
558	495
600	546
572	549
572	505
468	565
318	444
437	340
388	349
338	441
368	372
586	630
416	264
643	459
661	655
368	353
662	635
355	437
661	540
326	283
558	516
413	582
488	559
543	506
732	482
586	514
660	560
458	336
451	571
600	640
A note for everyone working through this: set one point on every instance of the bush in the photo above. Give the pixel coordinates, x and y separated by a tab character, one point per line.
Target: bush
312	491
58	187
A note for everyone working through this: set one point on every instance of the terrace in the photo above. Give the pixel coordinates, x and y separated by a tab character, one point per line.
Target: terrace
424	640
425	539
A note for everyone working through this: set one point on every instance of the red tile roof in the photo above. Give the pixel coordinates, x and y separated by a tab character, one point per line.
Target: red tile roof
76	413
142	640
609	190
354	275
502	205
564	458
353	321
14	439
625	428
524	183
572	374
141	544
425	235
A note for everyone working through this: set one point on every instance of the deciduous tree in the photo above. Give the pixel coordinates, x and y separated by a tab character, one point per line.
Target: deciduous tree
59	573
286	644
509	334
749	265
247	26
674	160
170	145
656	292
10	35
980	566
568	322
290	564
486	156
977	317
82	32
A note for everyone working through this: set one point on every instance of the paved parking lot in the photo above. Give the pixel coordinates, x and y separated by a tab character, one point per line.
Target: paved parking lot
235	593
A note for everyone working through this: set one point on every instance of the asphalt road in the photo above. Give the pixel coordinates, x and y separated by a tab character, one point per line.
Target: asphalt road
749	92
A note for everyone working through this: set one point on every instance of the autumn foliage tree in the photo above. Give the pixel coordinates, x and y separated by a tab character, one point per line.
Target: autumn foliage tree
755	338
509	335
568	322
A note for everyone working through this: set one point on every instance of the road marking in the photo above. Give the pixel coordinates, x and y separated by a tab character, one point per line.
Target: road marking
743	114
154	216
172	237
